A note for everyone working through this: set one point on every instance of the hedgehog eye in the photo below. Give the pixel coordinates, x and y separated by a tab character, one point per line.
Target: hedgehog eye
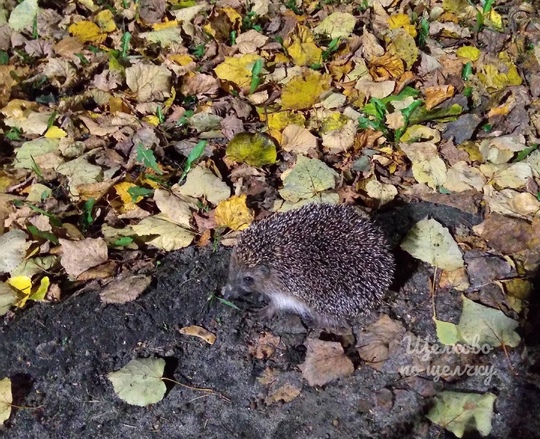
248	279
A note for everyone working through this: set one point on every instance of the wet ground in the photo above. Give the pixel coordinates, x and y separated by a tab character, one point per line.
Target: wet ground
58	357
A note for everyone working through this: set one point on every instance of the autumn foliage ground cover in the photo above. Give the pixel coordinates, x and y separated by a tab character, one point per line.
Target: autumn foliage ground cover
132	129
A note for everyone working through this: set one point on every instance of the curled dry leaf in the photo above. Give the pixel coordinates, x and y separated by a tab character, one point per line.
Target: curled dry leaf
79	256
376	343
286	393
197	331
325	362
125	289
265	346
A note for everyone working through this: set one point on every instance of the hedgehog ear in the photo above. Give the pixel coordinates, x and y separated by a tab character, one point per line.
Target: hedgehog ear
265	270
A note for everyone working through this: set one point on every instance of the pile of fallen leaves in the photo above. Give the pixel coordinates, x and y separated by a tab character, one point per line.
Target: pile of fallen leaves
134	126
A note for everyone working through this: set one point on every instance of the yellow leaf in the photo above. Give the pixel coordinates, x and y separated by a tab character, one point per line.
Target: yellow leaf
496	19
398	21
234	213
41	290
122	191
237	70
87	32
282	119
469	53
105	20
404	46
152	120
386	66
254	149
303	91
166	25
302	48
234	16
23	284
55	133
181	59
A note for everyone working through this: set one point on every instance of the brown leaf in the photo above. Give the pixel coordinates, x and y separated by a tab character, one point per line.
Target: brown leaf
286	393
197	331
265	346
376	342
125	289
79	256
325	362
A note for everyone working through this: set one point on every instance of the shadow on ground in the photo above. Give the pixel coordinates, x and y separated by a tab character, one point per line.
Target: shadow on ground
58	357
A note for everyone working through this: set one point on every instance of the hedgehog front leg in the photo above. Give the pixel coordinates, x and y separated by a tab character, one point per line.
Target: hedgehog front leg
266	313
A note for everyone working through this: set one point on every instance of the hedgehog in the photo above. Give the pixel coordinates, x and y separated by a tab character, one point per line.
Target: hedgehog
327	263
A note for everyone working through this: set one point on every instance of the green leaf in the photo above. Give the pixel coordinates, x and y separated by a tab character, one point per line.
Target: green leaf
41	234
194	155
87	218
462	412
123	242
147	158
446	332
137	191
521	155
480	325
422	115
255	75
467	70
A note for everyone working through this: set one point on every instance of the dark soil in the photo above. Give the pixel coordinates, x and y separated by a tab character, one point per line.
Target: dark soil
58	357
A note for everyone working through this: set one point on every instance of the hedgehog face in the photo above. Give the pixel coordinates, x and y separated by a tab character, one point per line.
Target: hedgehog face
245	280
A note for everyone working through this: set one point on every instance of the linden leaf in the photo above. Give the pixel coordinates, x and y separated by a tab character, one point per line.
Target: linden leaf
125	289
302	48
6	399
148	81
28	154
460	412
325	361
140	381
303	90
234	213
309	177
337	25
237	70
404	46
447	332
384	193
165	235
23	284
79	256
87	32
469	53
23	15
8	297
430	242
105	20
481	325
255	149
41	290
201	182
14	246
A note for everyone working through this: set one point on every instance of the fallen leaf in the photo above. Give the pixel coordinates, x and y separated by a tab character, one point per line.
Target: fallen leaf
325	362
201	182
197	331
140	381
234	213
265	346
125	289
463	412
79	256
430	242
